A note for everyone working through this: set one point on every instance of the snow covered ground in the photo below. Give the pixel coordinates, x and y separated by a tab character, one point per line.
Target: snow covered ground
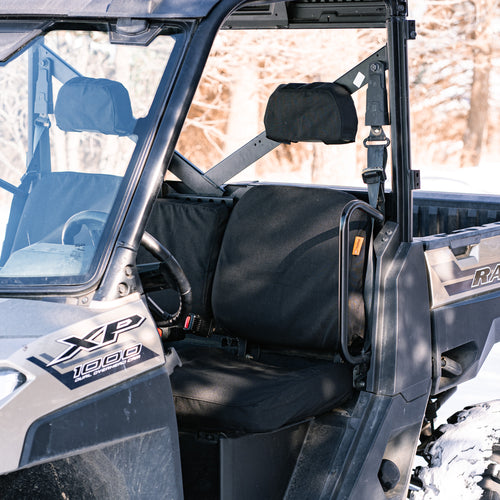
461	456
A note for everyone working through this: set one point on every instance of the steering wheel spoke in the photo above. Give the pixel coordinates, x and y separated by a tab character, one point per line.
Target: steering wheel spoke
172	274
94	221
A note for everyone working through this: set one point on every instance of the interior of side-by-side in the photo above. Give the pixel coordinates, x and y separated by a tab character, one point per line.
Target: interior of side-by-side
268	303
262	356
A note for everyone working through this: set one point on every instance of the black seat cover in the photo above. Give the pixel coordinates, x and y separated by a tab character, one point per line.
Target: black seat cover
216	391
277	277
56	197
275	285
192	232
94	105
311	112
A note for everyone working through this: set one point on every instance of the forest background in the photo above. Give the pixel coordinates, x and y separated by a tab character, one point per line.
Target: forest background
454	66
454	94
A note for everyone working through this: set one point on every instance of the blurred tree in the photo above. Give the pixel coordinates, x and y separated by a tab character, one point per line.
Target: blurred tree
480	41
452	67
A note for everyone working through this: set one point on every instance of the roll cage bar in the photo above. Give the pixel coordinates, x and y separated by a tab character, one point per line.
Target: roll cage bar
309	14
44	64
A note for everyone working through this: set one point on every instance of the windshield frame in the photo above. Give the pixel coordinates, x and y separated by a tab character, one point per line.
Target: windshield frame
76	285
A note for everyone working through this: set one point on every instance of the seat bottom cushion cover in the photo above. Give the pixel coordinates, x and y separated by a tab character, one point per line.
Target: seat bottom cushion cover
214	390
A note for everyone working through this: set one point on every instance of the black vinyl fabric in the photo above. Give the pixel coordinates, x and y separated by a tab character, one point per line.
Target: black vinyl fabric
314	112
94	105
192	232
277	277
216	391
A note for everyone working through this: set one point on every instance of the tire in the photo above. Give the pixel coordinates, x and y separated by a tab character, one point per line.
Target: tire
464	462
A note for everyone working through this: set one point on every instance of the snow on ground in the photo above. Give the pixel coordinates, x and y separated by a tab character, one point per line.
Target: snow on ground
461	455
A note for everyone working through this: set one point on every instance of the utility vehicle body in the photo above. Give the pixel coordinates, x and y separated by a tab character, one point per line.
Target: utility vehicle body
308	333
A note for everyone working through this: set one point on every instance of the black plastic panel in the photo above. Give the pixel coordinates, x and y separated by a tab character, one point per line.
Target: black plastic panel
464	331
309	13
259	466
248	467
435	213
141	405
139	468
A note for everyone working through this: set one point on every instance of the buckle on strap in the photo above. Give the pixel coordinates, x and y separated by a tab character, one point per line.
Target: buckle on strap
373	175
195	324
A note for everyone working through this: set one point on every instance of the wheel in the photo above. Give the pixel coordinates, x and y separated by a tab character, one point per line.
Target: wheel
464	462
92	219
173	274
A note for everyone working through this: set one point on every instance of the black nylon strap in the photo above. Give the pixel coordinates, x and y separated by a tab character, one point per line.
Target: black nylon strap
374	174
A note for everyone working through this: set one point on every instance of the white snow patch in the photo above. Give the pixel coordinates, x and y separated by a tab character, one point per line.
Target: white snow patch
461	455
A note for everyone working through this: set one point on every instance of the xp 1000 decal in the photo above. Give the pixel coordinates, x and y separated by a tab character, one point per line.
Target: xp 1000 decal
96	354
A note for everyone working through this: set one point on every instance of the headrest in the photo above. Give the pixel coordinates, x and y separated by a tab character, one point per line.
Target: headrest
94	105
314	112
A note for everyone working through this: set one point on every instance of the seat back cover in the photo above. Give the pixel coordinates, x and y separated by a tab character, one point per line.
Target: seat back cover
192	231
56	197
276	280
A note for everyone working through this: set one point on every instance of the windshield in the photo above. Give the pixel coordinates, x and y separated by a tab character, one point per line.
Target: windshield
72	108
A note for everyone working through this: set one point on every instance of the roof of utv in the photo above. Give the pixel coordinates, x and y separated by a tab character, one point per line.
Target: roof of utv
253	14
164	9
23	20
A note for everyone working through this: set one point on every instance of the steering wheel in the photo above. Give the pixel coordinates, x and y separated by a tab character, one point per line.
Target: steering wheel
173	274
93	219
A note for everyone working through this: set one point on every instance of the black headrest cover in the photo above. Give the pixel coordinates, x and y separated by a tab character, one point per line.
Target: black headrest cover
94	105
313	112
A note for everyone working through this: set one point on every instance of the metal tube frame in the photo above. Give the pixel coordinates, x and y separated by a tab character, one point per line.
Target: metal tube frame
397	36
344	265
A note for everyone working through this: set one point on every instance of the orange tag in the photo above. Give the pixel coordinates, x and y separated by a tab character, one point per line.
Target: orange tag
358	244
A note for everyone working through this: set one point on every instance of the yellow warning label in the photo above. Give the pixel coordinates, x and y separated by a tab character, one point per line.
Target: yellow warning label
358	244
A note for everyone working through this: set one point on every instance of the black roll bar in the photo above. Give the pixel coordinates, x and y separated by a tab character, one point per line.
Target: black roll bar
344	264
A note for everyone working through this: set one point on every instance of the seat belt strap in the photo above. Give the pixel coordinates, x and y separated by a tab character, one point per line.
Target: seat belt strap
376	117
374	174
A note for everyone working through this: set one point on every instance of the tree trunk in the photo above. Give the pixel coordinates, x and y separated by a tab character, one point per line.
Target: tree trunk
481	38
478	112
